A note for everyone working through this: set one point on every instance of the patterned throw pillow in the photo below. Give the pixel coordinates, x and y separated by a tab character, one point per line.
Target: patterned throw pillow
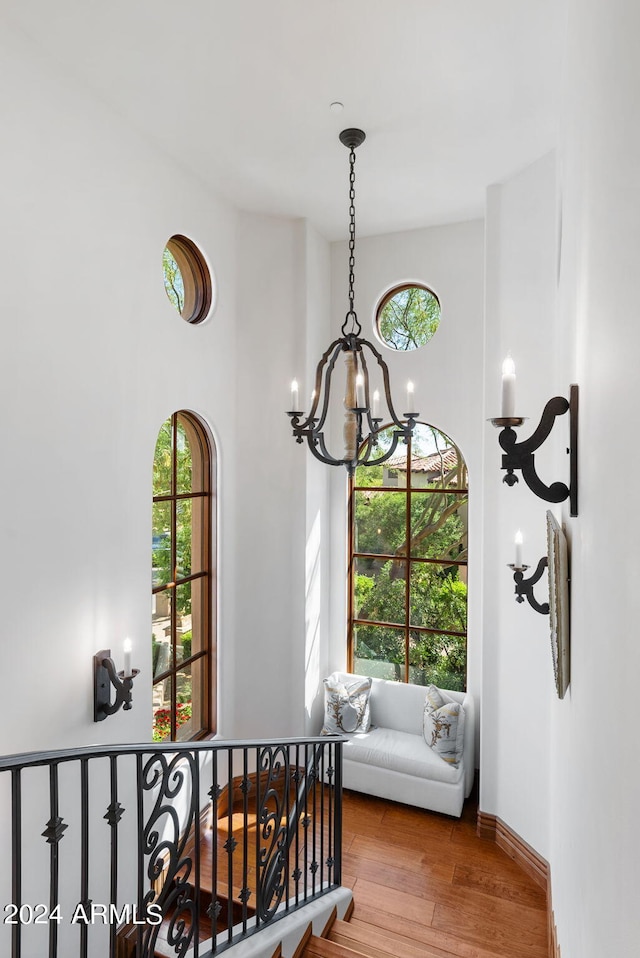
443	725
346	706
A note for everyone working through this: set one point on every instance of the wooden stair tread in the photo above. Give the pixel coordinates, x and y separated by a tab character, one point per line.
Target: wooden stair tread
325	948
423	935
375	942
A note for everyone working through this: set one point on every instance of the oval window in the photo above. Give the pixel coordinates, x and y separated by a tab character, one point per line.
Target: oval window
407	317
187	279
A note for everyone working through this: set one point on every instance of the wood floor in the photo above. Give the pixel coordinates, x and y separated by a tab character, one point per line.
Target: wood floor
425	886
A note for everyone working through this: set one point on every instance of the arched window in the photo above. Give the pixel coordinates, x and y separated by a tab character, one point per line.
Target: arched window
183	588
408	564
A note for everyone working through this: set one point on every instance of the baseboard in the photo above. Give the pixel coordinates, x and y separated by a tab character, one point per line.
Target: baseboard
492	828
554	947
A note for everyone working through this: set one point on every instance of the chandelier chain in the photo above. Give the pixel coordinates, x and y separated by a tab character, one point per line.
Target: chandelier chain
351	315
352	225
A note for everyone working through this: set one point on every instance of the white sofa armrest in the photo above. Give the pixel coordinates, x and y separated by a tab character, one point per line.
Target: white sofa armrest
469	750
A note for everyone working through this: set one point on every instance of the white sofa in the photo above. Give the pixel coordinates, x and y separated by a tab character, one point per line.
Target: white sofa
393	761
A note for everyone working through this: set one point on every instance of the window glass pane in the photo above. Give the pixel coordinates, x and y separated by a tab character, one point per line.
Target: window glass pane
191	637
162	462
380	519
438	659
378	475
183	614
395	471
184	704
435	461
438	597
161	650
381	595
192	533
183	537
379	652
190	699
161	543
438	525
173	282
184	458
162	710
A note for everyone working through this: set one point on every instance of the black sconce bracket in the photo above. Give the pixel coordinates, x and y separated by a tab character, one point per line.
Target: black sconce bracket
520	455
105	678
524	587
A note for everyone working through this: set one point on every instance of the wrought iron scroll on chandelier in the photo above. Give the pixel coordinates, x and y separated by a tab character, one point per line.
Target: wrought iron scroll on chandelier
362	422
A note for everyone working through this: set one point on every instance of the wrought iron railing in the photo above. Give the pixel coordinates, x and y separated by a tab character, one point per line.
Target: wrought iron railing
136	851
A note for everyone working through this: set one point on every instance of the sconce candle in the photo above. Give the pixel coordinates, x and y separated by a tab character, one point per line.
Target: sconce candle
410	402
294	395
360	391
518	544
127	658
376	404
508	388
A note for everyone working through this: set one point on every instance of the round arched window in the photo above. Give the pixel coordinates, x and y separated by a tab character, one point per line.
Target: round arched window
408	317
187	279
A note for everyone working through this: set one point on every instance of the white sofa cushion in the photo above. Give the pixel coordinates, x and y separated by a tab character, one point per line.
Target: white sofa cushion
400	752
397	705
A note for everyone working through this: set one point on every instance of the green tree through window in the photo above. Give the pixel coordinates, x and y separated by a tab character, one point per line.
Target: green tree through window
173	282
408	568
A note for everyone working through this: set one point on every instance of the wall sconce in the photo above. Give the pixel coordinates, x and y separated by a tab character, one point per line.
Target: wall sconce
557	608
105	677
524	587
520	455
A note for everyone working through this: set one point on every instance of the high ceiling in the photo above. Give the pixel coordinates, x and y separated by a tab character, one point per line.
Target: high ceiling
453	95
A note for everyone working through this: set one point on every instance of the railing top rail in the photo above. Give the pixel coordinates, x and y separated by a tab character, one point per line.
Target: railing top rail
33	759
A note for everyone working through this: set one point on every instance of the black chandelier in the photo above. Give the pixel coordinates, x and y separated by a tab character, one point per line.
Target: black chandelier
362	425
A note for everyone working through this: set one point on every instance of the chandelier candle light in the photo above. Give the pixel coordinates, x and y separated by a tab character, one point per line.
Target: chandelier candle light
362	419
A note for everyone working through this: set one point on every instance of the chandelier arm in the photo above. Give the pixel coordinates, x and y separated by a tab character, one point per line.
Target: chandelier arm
328	372
387	386
387	455
325	455
367	402
336	345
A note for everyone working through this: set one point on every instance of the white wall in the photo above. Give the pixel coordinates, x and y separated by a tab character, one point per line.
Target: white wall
447	372
563	773
595	791
280	638
517	676
94	359
318	516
